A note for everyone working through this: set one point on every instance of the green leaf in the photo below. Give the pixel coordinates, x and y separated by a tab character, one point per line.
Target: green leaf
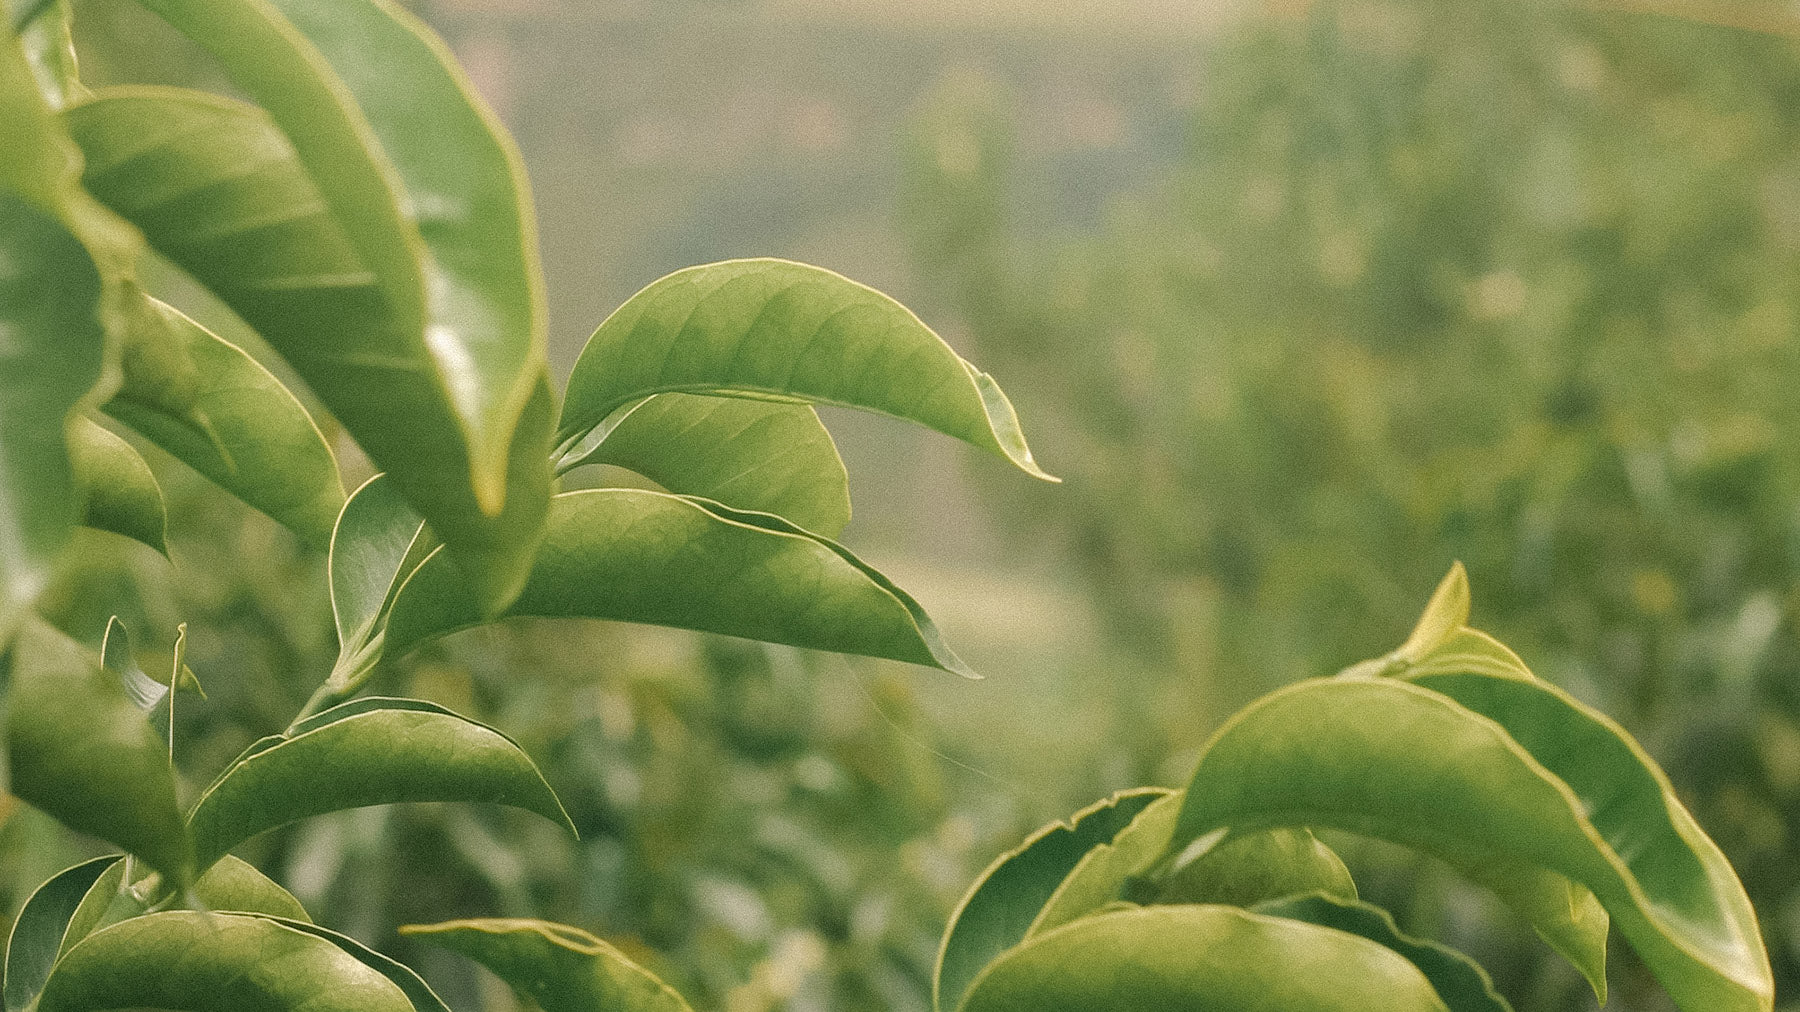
398	750
423	998
1108	871
1459	981
50	50
995	913
214	962
243	430
305	241
236	886
378	541
1245	868
773	328
1567	916
37	933
117	657
637	556
51	354
1549	785
117	491
81	751
108	901
554	965
752	455
1199	958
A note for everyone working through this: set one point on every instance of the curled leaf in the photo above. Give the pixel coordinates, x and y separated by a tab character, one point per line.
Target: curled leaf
554	965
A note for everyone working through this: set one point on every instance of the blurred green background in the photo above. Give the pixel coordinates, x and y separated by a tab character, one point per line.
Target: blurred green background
1304	300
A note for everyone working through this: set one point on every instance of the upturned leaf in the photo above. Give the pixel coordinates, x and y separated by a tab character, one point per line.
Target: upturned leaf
215	962
118	493
81	750
773	328
243	430
1105	873
37	933
1547	785
423	998
1200	958
1461	982
751	455
397	749
52	355
554	965
996	911
1246	868
377	543
638	556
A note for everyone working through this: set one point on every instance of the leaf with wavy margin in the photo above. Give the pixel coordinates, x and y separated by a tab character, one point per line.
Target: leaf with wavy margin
554	965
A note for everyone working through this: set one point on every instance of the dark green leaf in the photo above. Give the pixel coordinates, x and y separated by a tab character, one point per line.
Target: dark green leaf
787	330
118	492
37	933
638	556
215	962
1199	959
367	752
1005	899
81	750
1459	981
752	455
378	541
554	965
423	998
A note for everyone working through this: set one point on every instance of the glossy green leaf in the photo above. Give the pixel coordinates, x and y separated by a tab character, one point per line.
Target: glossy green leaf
108	901
81	750
773	328
51	354
37	933
1199	959
637	556
423	998
1461	982
1567	916
244	431
554	965
995	913
1105	873
117	657
397	749
1409	764
118	493
215	962
237	886
304	241
375	536
751	455
1245	868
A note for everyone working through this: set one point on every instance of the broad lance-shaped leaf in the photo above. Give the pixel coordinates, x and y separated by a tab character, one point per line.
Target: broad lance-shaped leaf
1199	957
423	998
1443	641
242	430
995	913
751	455
51	353
396	749
1107	872
81	750
1245	868
1460	981
637	556
117	491
774	328
1539	780
554	965
37	933
377	543
304	241
215	962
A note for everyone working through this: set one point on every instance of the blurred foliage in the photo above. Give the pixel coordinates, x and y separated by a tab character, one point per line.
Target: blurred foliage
1515	283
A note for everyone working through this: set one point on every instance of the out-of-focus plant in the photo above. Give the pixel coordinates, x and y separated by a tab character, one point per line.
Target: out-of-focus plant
1515	283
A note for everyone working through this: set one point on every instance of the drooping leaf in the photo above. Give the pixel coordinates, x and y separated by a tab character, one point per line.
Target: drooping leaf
1199	958
395	749
51	354
1246	868
118	493
116	655
637	556
423	998
1460	981
37	933
81	751
215	962
1105	873
996	911
554	965
306	242
243	430
1412	765
1567	916
236	886
751	455
773	328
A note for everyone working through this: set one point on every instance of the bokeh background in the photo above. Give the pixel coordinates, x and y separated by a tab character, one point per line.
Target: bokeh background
1304	300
